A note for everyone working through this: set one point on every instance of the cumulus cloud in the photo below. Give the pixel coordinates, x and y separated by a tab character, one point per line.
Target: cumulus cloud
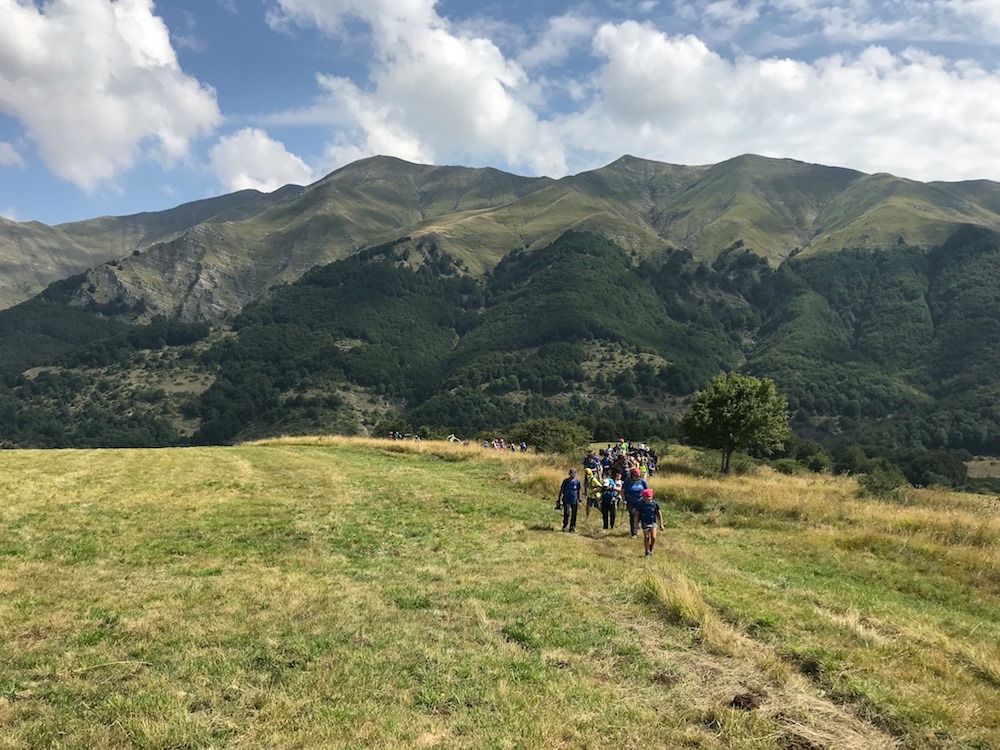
561	35
434	94
9	156
250	158
674	98
96	85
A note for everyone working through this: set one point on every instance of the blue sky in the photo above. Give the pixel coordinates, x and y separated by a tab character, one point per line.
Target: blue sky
115	107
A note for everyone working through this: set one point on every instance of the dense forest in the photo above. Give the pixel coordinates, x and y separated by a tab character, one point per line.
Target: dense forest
895	351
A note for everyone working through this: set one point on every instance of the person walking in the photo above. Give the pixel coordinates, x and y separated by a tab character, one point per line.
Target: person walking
593	488
650	517
569	501
609	503
634	485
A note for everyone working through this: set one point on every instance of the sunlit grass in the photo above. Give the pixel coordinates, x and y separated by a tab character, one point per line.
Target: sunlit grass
334	592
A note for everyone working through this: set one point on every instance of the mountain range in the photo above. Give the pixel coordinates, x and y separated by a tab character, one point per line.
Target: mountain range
466	300
206	260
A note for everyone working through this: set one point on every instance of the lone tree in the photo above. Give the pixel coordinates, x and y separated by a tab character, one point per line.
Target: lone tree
736	412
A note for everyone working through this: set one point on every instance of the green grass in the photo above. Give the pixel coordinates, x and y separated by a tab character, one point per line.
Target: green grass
352	594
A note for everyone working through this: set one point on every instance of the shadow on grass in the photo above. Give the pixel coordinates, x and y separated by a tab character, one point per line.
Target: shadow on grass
541	527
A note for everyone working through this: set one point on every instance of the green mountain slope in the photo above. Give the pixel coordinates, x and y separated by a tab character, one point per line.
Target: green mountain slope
33	255
209	259
770	205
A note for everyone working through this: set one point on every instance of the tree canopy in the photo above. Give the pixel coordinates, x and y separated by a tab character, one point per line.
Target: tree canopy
736	412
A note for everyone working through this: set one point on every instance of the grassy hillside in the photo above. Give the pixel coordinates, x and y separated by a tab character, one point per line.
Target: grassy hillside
343	594
33	256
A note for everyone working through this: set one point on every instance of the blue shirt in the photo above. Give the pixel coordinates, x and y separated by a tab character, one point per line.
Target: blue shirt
633	491
570	490
647	512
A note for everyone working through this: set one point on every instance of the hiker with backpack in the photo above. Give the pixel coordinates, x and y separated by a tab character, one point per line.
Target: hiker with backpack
609	503
650	517
569	500
593	487
634	486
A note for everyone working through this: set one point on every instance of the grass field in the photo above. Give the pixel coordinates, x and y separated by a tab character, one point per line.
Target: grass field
362	594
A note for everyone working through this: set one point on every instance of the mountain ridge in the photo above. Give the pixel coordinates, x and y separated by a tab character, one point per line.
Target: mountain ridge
207	259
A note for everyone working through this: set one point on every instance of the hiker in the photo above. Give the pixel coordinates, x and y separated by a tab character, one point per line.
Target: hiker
634	485
593	488
609	503
650	517
569	500
606	462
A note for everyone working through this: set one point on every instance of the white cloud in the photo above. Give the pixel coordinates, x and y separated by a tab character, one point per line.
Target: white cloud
673	98
765	25
391	20
377	124
251	159
96	85
561	35
435	94
984	14
9	156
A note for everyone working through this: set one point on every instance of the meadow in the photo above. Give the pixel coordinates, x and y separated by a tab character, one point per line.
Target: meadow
337	593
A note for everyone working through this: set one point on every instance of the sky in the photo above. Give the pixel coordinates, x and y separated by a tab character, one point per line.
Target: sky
111	107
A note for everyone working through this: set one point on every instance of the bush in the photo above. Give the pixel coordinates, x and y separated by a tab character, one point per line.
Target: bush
883	479
819	462
787	466
551	435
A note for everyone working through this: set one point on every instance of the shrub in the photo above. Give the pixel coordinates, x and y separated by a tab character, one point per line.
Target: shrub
819	462
551	435
787	466
882	479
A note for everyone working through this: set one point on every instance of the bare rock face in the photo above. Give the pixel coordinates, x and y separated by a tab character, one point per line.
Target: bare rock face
190	278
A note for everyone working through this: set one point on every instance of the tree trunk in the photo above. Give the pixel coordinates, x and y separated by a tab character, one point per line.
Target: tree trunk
726	453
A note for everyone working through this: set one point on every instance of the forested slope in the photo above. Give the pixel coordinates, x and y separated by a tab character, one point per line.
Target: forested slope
891	349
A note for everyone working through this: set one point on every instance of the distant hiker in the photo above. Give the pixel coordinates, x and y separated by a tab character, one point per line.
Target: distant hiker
650	517
609	503
569	500
524	447
634	485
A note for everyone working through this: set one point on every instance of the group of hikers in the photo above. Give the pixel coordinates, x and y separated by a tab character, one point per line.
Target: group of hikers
499	444
614	478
